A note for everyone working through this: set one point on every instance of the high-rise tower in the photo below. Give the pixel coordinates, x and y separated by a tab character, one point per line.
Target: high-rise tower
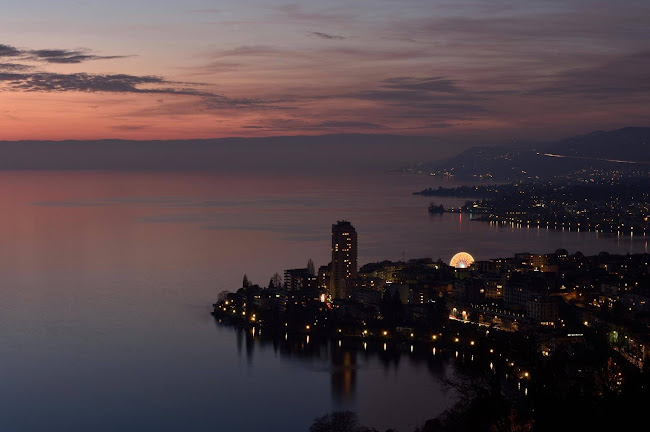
344	259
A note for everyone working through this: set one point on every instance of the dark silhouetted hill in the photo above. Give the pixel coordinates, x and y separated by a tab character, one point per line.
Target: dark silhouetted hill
630	143
597	150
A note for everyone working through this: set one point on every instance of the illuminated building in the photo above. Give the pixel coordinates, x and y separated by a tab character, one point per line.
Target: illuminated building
344	259
542	309
324	277
494	283
299	279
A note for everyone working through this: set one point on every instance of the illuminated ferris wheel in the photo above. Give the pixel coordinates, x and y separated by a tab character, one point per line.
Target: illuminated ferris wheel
461	260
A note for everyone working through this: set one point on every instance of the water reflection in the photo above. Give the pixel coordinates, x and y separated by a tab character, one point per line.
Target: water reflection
344	374
342	359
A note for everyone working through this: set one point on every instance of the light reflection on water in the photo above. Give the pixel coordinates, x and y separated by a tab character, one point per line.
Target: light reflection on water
107	280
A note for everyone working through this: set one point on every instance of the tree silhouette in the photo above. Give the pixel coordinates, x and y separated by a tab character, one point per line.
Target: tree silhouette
276	281
223	296
339	421
310	267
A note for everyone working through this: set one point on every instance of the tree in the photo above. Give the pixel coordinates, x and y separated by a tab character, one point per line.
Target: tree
245	283
338	421
310	267
223	296
276	281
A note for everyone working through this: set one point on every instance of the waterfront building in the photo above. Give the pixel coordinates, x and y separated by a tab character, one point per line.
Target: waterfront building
344	259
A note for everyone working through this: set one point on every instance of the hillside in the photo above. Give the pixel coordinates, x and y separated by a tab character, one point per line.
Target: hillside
597	150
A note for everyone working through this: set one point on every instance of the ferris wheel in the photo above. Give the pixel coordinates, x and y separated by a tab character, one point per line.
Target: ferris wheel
461	260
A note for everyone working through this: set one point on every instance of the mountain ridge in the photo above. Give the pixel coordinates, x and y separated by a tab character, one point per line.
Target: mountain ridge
598	149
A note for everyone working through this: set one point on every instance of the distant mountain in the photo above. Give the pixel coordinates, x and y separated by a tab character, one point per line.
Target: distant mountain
484	162
630	143
597	150
282	153
342	152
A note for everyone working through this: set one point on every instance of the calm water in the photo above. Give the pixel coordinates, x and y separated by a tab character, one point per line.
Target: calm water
106	281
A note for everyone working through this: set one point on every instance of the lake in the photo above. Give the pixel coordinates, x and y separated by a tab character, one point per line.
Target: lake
107	281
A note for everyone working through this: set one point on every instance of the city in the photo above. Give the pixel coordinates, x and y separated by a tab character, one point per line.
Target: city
324	216
518	315
605	203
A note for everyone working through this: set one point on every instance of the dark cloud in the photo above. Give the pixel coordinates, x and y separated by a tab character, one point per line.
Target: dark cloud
215	102
399	39
67	56
250	50
433	84
439	100
83	82
278	124
434	125
397	96
59	56
437	126
356	53
378	54
14	67
9	51
621	77
214	67
326	36
451	108
130	127
347	124
206	104
19	77
554	25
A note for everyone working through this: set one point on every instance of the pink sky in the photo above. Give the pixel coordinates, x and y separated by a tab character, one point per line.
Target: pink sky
461	69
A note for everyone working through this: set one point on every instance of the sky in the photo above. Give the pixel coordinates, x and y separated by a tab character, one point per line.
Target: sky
456	69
